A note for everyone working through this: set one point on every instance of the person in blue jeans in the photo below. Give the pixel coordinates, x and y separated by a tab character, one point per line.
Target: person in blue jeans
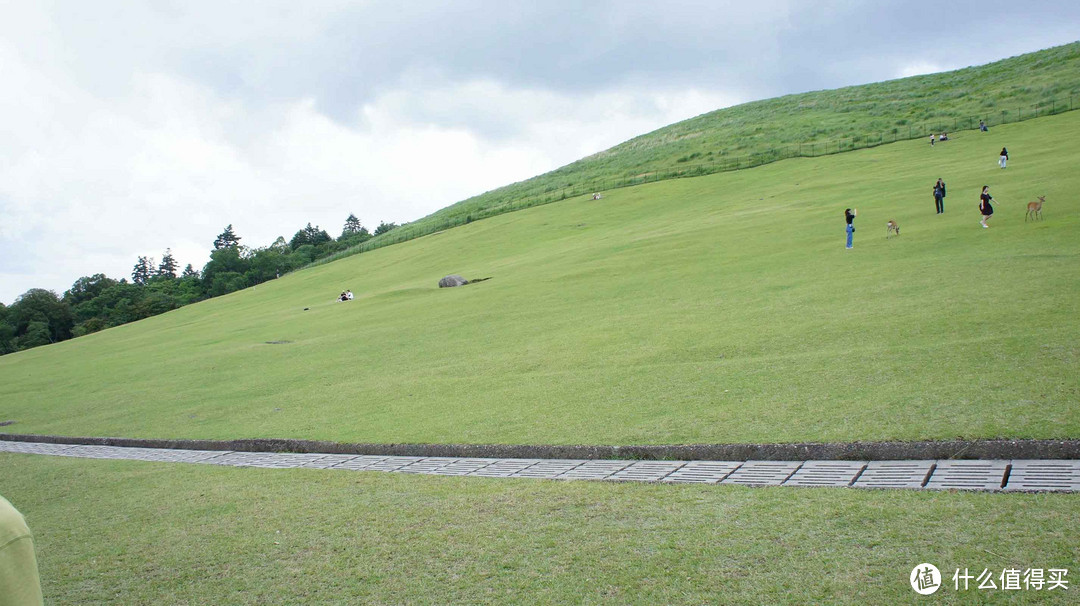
849	215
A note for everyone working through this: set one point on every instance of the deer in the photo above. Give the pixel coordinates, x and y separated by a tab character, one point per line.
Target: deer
1035	209
891	227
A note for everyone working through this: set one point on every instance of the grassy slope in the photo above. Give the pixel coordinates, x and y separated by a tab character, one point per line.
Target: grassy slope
187	534
913	106
717	309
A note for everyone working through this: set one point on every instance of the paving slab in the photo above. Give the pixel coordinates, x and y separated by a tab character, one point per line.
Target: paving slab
1033	475
894	474
594	470
646	471
33	448
237	459
967	475
703	472
95	451
160	455
392	463
329	461
428	465
286	460
464	467
826	473
762	473
549	469
505	468
359	463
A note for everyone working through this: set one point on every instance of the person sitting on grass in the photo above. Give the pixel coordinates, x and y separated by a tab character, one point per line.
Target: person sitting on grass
343	296
348	295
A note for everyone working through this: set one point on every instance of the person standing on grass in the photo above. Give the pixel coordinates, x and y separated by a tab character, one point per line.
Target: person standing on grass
19	582
1003	158
984	206
849	216
939	196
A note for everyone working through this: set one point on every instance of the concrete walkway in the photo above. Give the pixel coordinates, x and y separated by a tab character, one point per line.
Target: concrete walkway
994	475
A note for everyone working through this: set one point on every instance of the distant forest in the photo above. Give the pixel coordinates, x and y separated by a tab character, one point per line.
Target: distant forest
93	303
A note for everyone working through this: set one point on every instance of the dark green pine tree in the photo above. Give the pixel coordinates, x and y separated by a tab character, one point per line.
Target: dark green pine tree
143	271
227	239
352	226
189	272
167	268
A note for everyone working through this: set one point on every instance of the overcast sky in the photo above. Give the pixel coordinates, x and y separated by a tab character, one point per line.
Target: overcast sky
129	127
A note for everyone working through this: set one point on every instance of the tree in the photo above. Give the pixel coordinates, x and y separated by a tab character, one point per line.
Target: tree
384	227
86	288
7	331
189	272
143	271
40	305
167	269
227	239
37	334
280	245
309	235
352	227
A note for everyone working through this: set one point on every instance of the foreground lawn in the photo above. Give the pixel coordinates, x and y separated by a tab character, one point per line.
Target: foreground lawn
143	533
715	309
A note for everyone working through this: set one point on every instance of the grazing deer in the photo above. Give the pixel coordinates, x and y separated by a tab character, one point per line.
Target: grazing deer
891	227
1035	209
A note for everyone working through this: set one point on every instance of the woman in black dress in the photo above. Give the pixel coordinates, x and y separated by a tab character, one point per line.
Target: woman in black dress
984	206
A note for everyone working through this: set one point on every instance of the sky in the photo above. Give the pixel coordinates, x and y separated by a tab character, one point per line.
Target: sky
130	127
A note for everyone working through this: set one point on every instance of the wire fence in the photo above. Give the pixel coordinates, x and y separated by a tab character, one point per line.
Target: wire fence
810	149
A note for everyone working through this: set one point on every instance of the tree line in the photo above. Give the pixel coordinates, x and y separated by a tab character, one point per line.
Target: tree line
93	303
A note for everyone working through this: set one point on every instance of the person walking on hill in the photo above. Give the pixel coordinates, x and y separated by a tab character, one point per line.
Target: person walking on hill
985	207
1003	158
849	216
939	196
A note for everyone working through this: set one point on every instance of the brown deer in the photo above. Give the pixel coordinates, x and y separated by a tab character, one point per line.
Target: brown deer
1035	209
891	227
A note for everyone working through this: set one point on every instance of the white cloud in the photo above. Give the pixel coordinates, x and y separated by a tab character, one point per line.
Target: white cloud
91	182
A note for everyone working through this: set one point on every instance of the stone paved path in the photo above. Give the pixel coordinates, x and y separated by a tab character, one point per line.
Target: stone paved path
1000	475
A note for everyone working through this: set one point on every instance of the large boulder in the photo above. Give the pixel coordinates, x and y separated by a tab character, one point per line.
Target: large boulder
452	280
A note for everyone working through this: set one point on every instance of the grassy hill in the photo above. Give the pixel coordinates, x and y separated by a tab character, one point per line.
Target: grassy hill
806	124
715	309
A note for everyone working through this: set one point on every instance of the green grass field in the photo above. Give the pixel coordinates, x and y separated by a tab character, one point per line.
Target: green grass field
709	310
144	533
809	123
